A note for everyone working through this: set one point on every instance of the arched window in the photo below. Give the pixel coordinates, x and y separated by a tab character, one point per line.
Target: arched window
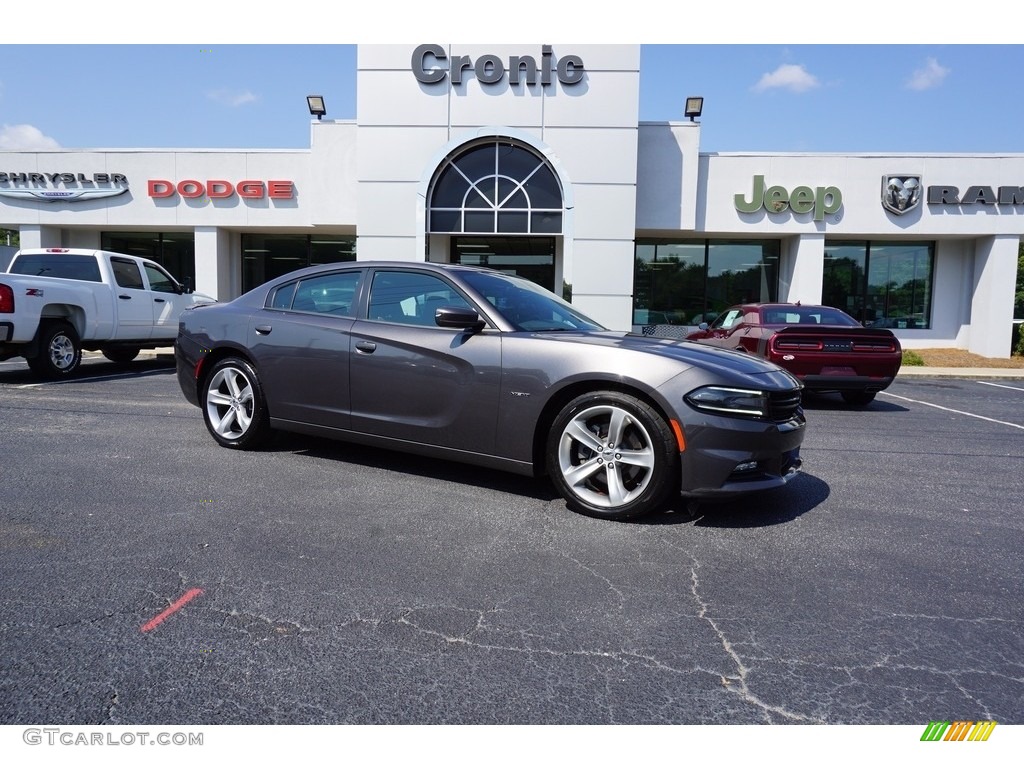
495	187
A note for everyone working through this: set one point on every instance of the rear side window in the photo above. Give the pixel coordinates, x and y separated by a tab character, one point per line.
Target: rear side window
331	294
281	298
67	266
127	274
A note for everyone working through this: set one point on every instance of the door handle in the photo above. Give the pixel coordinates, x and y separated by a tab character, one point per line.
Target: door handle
263	330
366	346
159	300
123	296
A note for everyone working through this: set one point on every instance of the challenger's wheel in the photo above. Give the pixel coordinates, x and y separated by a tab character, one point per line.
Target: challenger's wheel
60	351
234	408
859	399
613	456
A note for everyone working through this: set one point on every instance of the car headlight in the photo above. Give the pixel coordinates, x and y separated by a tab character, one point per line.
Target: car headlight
752	403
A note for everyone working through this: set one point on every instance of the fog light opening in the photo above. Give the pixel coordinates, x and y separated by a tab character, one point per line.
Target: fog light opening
746	466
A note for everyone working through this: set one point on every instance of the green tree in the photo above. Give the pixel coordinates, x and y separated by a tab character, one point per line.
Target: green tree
11	237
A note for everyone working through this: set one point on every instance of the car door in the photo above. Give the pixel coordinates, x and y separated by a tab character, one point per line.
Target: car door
416	381
300	344
132	301
167	301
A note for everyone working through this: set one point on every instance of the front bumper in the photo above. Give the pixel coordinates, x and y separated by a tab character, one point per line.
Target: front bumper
731	456
819	383
187	355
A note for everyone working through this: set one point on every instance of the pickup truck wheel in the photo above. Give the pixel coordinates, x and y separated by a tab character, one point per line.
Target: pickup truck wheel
121	355
234	408
60	352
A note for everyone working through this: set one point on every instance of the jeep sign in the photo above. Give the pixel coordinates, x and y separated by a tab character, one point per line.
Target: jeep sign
820	200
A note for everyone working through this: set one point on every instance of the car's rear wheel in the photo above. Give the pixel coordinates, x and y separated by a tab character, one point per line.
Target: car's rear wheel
234	407
859	399
60	351
611	455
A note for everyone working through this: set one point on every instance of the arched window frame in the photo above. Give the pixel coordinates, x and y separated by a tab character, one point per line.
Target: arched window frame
499	200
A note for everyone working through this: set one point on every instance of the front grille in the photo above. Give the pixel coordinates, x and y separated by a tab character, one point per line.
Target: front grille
783	406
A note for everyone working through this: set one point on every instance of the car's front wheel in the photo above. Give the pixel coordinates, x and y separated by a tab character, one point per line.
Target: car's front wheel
234	407
613	456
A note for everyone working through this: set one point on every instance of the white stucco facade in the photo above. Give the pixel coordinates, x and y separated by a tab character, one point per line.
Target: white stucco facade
622	181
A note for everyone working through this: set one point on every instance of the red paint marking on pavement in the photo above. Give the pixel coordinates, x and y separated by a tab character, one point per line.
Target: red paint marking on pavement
174	607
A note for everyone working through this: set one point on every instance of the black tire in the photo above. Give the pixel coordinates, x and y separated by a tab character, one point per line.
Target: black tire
859	399
60	351
608	477
234	407
121	354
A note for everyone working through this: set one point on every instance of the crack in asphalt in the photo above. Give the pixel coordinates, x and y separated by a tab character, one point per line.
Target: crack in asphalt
738	683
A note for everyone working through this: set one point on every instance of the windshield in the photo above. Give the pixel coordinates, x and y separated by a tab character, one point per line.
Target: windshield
526	305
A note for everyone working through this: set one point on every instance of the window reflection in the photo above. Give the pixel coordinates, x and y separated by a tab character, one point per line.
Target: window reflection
689	282
886	285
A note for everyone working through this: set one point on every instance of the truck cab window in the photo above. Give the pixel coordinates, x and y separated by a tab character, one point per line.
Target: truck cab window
127	274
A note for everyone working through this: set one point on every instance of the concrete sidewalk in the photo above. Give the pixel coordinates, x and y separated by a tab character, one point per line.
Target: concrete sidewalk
930	372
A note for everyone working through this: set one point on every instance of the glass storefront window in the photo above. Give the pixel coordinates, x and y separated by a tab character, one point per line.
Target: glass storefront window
690	282
174	251
529	257
886	285
268	256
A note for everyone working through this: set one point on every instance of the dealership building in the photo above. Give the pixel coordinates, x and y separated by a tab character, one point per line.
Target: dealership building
532	159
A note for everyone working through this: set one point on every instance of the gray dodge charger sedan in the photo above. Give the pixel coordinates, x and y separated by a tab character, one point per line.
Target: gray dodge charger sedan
478	366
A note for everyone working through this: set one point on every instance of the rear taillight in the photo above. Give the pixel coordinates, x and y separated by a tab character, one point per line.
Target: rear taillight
6	298
802	344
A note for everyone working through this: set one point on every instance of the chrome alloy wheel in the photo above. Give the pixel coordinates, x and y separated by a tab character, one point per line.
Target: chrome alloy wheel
606	456
230	403
62	352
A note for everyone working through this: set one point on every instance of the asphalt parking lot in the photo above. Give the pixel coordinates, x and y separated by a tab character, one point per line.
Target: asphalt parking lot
153	577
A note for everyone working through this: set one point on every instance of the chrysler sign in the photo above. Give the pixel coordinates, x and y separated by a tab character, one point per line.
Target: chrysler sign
61	187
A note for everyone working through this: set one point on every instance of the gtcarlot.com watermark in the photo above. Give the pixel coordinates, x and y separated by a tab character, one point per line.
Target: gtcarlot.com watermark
79	738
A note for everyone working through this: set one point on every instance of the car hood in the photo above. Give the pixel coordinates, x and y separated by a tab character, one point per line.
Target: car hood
723	361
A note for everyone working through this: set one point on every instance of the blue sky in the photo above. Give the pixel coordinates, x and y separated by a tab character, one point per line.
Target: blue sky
900	97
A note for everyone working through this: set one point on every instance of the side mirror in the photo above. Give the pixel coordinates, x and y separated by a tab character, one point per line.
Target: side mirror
187	287
458	317
702	327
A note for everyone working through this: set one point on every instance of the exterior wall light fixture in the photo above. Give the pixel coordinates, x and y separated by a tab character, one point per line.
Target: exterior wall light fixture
694	106
316	106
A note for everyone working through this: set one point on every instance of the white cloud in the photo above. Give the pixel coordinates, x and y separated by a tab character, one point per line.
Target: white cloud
930	75
232	98
792	77
25	137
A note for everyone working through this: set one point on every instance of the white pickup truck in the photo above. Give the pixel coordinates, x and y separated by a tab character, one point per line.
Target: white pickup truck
55	302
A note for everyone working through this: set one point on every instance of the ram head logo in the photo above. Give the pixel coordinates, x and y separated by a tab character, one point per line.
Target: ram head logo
901	193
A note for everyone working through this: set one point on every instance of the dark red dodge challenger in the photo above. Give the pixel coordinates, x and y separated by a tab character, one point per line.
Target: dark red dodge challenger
823	347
